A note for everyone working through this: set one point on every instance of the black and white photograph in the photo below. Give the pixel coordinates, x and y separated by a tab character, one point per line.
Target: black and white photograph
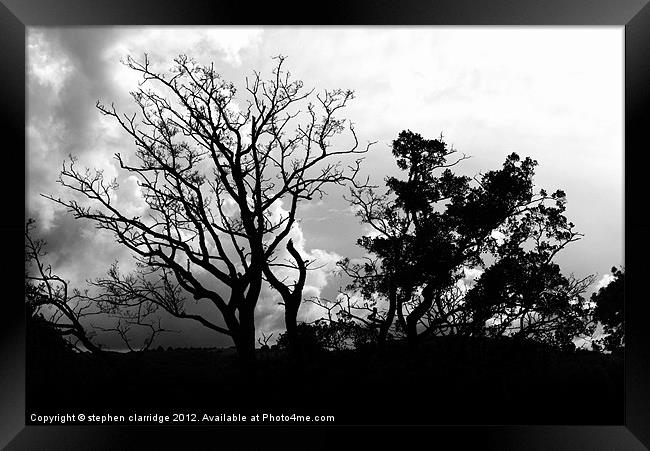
345	225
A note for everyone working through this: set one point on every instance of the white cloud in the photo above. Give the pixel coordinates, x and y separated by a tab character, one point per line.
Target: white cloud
322	264
162	44
133	202
605	280
45	65
499	237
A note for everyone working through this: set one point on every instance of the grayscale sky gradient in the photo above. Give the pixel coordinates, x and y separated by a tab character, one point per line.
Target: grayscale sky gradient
555	94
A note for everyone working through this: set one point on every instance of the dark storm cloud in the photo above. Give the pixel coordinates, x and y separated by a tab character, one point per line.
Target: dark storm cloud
87	81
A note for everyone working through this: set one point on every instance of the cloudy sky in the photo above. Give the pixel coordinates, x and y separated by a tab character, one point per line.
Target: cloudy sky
555	94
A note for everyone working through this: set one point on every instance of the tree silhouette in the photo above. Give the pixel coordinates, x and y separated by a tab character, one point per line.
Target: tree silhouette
609	311
528	298
51	306
429	228
222	181
54	308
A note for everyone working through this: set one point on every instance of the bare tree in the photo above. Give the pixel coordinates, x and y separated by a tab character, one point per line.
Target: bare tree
264	340
134	300
49	297
222	181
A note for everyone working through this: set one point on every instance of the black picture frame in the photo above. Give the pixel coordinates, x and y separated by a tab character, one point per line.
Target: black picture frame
634	15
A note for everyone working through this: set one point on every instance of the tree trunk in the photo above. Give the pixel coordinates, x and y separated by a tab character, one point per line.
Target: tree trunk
416	314
292	300
401	321
291	323
390	316
412	334
245	337
246	313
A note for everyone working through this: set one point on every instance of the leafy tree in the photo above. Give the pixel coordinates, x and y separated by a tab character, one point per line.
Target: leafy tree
609	311
524	292
222	176
432	226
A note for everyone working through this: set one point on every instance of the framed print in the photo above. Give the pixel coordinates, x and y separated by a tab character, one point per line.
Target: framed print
256	221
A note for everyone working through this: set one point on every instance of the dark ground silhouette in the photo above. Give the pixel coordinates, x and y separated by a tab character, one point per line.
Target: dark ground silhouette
446	381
